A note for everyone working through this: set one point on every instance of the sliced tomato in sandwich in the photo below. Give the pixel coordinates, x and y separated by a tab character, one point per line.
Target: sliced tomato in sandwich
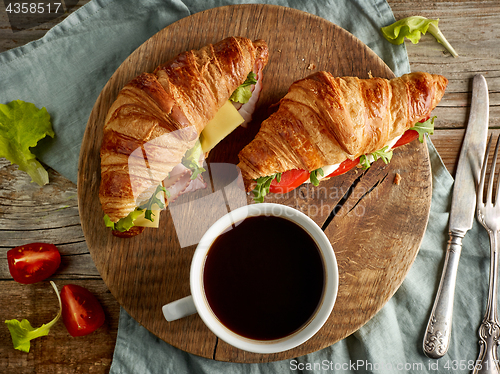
407	137
344	167
291	179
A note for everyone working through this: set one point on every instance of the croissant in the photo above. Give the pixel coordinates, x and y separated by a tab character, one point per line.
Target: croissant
324	120
158	116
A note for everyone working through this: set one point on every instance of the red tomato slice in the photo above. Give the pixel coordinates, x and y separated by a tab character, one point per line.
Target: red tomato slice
407	137
33	262
293	178
81	311
290	180
344	167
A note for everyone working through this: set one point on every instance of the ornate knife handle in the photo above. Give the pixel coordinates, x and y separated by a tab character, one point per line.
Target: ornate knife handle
437	335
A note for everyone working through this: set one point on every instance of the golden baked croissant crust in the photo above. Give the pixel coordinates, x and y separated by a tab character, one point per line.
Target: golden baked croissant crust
158	116
324	120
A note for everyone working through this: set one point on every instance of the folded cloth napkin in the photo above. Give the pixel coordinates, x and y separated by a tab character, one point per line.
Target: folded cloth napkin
65	72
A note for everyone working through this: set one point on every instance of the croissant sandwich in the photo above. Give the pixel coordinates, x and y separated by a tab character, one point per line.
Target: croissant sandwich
163	123
325	126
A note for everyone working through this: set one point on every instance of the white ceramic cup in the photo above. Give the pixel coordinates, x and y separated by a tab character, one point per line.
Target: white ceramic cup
197	302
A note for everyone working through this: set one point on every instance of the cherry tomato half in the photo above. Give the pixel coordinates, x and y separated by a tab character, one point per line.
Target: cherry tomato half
33	262
81	311
290	180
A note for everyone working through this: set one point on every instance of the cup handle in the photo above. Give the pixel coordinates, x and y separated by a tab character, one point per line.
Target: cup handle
179	308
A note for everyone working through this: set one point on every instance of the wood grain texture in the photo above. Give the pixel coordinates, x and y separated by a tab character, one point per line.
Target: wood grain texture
30	213
471	26
57	352
150	270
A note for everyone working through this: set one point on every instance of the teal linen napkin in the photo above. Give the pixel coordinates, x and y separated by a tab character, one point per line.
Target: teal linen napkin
65	72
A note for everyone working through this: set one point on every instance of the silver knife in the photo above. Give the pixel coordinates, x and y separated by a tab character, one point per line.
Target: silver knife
463	205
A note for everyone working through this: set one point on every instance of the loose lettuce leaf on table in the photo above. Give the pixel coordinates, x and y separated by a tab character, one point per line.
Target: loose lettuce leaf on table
413	28
22	125
22	332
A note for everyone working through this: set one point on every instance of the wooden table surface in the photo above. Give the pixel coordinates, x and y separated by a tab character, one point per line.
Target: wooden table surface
29	213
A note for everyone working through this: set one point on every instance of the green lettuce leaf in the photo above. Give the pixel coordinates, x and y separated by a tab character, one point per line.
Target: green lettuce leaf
154	200
22	332
313	177
191	160
126	223
22	125
263	185
385	154
242	94
423	128
412	28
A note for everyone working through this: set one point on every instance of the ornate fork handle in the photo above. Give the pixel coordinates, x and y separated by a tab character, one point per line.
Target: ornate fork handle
489	330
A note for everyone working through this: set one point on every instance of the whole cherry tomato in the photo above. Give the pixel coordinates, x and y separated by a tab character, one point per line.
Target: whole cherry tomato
33	262
81	311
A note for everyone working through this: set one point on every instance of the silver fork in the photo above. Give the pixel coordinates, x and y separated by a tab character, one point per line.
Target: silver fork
488	214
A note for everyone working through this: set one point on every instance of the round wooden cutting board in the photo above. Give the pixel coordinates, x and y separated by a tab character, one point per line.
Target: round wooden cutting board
375	225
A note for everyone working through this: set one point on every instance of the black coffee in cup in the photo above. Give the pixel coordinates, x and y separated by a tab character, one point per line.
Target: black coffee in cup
264	278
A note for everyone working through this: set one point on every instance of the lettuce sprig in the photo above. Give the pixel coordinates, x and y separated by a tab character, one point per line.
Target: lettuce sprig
191	160
313	177
423	128
22	126
385	154
126	223
412	28
262	188
243	93
22	332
